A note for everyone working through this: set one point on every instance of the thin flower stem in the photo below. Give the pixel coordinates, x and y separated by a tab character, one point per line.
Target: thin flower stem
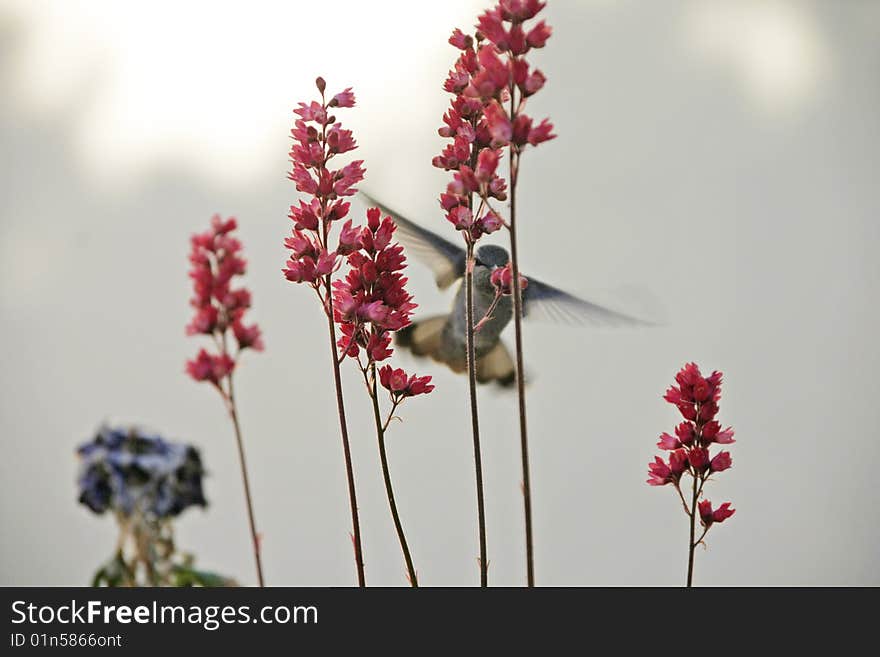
475	422
233	414
520	379
386	474
681	495
390	417
488	316
691	545
346	448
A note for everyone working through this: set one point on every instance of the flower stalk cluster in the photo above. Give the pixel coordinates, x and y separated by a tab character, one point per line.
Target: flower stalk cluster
370	304
318	141
696	398
491	81
473	159
220	307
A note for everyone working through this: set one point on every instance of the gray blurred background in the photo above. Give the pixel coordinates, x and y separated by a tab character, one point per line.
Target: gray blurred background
716	167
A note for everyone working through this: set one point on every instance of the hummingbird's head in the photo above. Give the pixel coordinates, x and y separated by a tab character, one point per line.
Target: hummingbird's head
492	256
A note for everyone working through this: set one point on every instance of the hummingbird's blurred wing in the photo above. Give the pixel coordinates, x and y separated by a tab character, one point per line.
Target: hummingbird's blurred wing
444	258
548	302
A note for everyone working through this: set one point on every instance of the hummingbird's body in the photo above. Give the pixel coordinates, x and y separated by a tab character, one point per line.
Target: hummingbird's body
487	337
443	337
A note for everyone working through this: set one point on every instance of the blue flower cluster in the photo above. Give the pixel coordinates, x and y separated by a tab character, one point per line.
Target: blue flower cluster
128	470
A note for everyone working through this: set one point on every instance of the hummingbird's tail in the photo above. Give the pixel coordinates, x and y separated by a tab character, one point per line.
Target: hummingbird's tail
428	338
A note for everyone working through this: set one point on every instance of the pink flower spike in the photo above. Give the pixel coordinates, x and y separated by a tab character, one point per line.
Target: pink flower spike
216	260
696	397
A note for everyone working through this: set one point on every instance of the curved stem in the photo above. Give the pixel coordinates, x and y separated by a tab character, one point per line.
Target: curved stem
475	422
520	378
233	414
346	447
386	474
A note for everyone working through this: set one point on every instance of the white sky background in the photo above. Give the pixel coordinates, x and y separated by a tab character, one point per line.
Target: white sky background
716	159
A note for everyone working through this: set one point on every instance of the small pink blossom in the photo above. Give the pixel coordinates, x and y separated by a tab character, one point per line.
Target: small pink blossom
216	259
698	457
211	368
685	433
326	263
301	270
205	321
541	133
489	223
498	123
720	462
487	162
697	398
343	99
502	279
248	337
538	35
461	40
668	442
400	385
709	517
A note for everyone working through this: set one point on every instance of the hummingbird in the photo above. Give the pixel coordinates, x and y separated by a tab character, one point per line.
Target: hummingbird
443	337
